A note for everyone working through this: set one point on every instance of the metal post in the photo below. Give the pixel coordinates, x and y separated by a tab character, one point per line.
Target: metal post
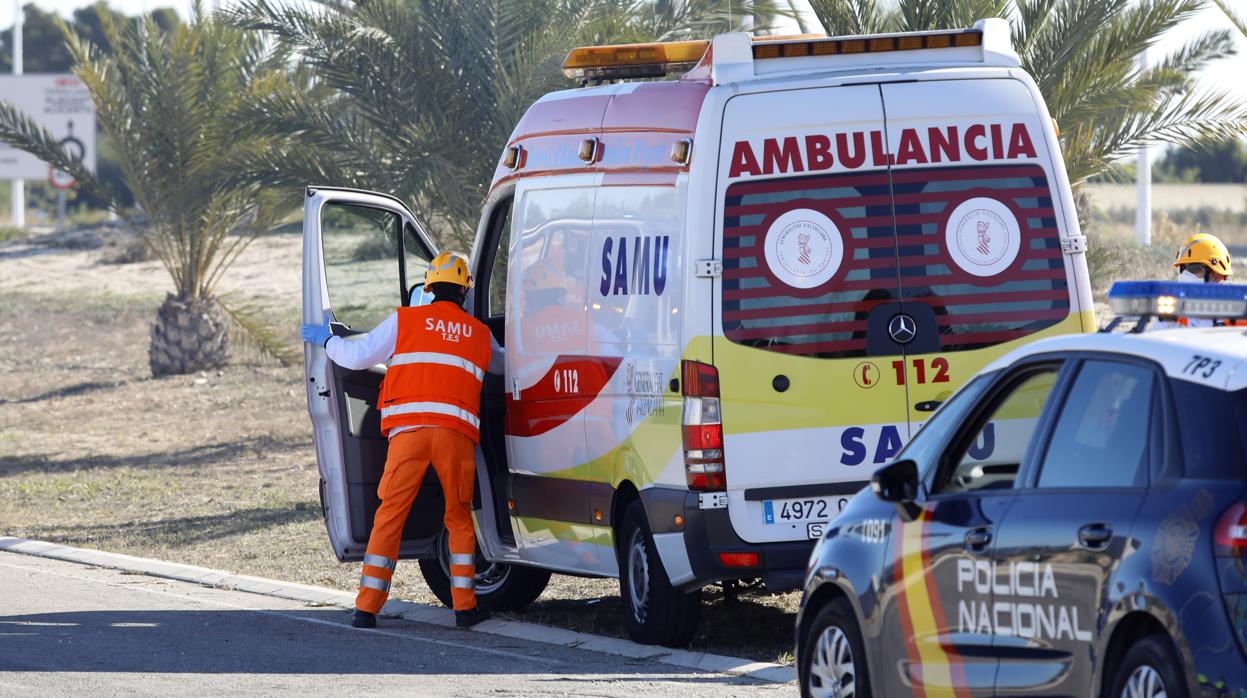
60	209
19	185
1143	184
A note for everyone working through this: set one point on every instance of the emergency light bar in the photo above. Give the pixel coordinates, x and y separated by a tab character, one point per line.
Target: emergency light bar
1168	299
633	60
868	44
735	53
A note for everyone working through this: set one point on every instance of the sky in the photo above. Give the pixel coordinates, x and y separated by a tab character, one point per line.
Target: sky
1221	75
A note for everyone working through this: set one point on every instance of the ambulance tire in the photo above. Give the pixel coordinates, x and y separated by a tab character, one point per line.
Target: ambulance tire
499	587
655	612
1148	669
835	636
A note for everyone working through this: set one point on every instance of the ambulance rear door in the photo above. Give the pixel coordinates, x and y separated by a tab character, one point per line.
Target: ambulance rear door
362	254
809	406
979	225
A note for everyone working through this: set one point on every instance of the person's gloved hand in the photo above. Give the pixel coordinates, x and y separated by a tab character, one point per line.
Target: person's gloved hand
317	334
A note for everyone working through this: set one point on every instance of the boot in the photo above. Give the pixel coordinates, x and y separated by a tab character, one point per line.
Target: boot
466	619
363	619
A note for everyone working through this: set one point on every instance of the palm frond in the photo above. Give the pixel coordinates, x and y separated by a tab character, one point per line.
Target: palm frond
1084	57
250	332
1238	20
22	132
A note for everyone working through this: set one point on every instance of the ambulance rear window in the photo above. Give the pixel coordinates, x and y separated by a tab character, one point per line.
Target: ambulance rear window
980	298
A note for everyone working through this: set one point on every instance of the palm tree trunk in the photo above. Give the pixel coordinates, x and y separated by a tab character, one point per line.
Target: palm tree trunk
190	335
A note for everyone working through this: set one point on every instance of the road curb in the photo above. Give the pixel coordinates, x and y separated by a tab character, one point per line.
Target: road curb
422	613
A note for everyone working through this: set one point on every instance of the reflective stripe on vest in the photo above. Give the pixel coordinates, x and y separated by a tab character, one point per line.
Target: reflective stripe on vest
432	408
433	357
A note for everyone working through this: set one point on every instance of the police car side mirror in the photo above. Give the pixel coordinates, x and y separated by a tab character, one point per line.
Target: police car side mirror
898	483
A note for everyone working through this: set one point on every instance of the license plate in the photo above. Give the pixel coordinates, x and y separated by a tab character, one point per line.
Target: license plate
784	511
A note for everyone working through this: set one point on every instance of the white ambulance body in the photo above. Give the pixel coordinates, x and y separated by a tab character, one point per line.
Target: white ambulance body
724	300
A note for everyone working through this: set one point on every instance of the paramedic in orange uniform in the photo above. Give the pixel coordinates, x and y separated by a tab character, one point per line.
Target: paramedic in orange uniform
430	411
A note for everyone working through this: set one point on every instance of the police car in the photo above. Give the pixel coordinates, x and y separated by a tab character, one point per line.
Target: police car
1098	547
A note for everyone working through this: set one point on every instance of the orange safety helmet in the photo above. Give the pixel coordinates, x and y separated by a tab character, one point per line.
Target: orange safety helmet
1208	250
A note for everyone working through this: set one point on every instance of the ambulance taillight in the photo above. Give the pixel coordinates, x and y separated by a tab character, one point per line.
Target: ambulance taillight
702	427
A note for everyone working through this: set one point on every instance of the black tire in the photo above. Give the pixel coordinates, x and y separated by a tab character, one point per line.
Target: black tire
833	643
499	587
1148	669
655	612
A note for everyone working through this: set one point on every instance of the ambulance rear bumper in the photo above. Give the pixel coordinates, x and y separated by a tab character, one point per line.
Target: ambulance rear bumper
708	535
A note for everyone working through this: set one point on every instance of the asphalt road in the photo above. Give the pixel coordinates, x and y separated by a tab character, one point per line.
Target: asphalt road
68	629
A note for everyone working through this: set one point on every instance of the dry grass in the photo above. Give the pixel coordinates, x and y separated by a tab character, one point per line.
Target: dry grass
218	470
1113	254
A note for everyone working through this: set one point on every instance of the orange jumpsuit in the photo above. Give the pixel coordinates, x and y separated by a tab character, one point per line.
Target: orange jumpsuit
430	409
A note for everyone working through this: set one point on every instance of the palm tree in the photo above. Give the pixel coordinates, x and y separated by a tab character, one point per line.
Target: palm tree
1238	20
417	97
1083	55
170	101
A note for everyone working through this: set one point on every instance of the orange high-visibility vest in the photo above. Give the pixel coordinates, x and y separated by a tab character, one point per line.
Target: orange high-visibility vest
435	376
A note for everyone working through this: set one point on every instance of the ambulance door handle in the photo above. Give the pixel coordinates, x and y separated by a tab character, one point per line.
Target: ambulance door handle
978	538
1094	536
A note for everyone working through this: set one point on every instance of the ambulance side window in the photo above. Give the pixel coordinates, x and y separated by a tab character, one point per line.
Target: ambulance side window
992	458
360	249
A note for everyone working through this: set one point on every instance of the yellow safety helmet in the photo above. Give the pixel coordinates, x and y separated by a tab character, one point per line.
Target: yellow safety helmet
1205	249
448	268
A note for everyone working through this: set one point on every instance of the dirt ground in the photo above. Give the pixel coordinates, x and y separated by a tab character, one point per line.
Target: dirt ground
212	469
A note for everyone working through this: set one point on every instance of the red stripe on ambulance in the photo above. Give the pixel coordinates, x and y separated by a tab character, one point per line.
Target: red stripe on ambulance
565	390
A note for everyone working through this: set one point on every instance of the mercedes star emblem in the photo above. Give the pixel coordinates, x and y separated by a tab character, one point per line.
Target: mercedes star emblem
902	329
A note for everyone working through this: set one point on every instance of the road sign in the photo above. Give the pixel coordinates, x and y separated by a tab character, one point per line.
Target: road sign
60	179
61	104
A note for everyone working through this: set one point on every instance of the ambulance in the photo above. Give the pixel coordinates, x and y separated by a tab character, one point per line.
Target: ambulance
722	300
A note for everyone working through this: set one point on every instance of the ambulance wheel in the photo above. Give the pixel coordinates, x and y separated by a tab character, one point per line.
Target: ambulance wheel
1149	671
833	658
655	612
499	587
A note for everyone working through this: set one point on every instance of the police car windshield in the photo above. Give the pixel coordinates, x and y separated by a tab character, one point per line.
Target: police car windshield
927	443
1213	428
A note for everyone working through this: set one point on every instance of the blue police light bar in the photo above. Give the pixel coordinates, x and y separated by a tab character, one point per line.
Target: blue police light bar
1173	299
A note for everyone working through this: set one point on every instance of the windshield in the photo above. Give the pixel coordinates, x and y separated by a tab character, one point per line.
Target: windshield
926	445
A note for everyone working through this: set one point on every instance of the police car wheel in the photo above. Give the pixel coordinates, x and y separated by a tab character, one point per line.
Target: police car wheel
655	612
499	587
1148	671
833	659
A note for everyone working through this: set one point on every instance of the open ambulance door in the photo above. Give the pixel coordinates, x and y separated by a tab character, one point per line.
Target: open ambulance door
362	255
